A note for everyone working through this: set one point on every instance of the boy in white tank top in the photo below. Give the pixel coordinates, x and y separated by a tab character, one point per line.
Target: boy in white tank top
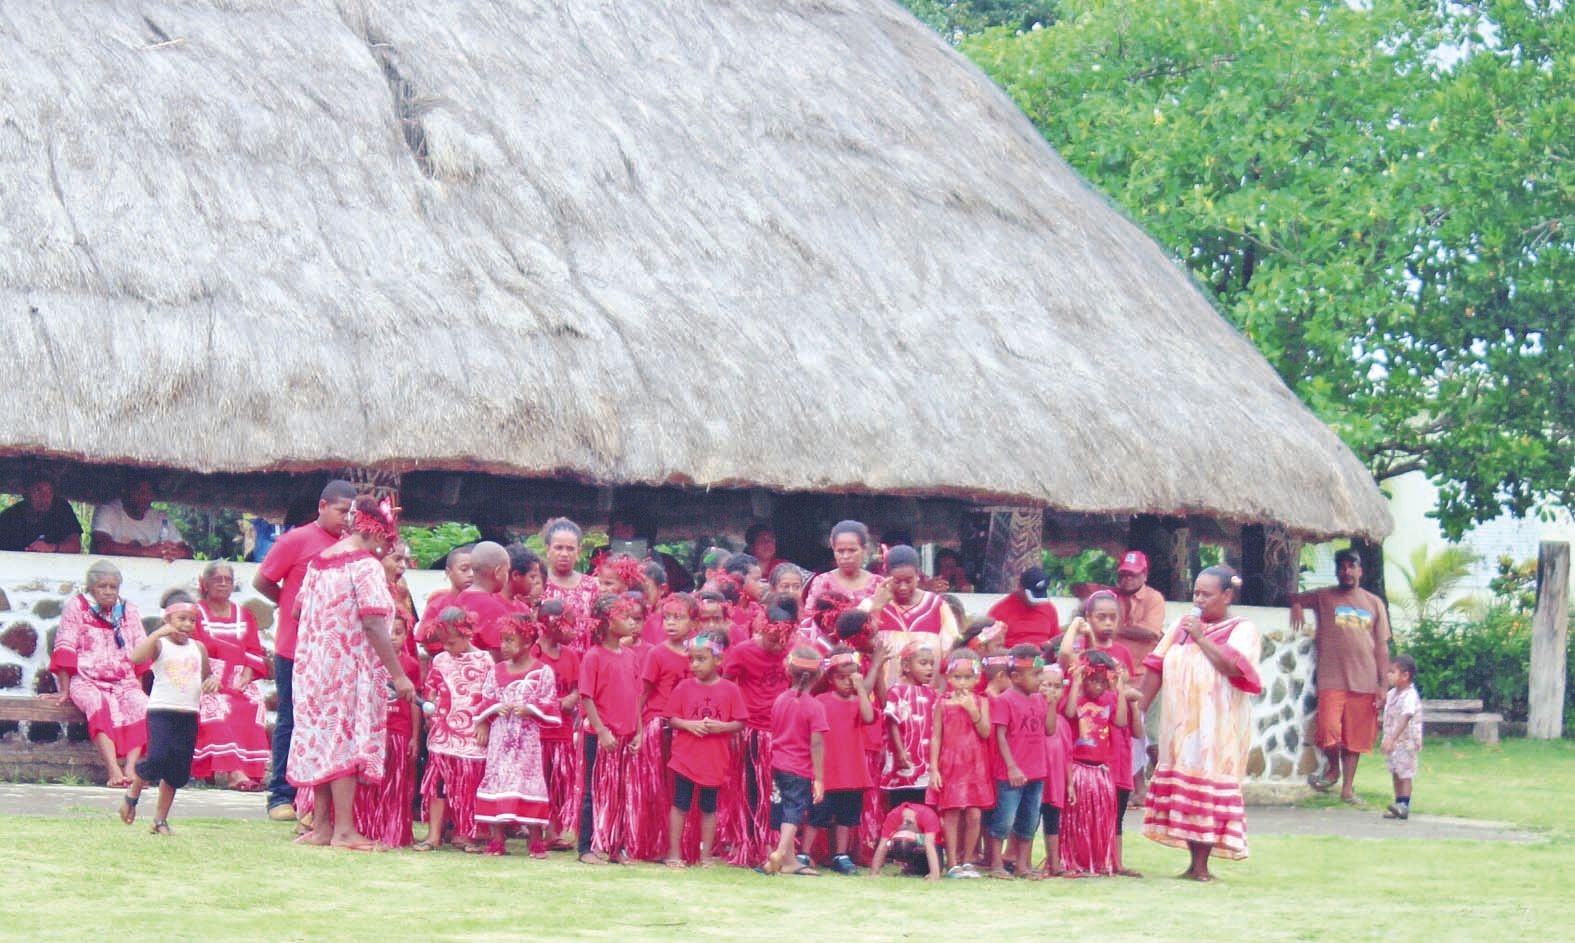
180	676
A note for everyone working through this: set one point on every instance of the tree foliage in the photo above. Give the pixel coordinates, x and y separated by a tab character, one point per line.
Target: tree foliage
957	18
1380	197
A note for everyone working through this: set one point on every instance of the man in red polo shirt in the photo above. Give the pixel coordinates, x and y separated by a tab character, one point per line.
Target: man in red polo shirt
279	579
1142	609
1028	622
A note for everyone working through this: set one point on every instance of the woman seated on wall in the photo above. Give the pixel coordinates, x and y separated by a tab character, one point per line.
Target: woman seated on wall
92	666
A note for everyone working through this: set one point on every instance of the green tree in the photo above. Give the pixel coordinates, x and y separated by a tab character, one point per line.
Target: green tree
957	18
1380	198
1431	579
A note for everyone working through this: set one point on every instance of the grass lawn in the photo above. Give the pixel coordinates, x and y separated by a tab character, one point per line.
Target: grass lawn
230	880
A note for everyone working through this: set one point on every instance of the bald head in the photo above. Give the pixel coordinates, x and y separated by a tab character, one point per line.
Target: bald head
489	562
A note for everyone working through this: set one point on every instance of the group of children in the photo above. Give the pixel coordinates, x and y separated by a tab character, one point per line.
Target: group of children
746	735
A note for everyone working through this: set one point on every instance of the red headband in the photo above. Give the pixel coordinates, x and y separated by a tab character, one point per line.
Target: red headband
623	568
186	607
803	664
842	659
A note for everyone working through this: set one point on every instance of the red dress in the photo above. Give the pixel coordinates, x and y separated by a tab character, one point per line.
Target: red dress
232	736
341	687
577	604
103	683
514	789
911	707
455	761
965	764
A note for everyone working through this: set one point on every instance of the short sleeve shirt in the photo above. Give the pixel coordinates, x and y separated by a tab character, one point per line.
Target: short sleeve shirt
1352	625
286	565
794	717
704	761
19	527
112	519
1022	716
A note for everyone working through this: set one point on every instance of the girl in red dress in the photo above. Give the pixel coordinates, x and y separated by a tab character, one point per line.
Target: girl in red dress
560	756
522	699
232	738
665	666
705	711
960	785
909	717
609	682
1088	828
455	761
383	810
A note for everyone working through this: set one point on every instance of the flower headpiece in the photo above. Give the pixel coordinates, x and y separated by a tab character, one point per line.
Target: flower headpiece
804	662
382	524
623	568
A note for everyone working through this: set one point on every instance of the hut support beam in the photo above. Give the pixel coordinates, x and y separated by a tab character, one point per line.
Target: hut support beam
1015	543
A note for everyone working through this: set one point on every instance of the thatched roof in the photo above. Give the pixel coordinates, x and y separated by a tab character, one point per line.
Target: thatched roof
797	245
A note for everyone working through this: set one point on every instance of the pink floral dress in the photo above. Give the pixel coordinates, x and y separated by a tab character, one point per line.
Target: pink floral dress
94	650
514	788
912	708
341	686
577	604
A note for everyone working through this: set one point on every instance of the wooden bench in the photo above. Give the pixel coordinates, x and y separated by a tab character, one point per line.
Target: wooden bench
1453	717
22	760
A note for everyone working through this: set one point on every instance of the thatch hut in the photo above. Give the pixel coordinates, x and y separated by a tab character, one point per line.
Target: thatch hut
717	255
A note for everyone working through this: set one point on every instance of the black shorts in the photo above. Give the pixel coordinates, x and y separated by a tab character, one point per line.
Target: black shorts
790	795
172	738
840	807
1123	796
896	797
1051	817
684	795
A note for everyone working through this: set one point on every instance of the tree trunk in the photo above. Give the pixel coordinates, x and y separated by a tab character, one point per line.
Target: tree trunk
1549	642
1372	555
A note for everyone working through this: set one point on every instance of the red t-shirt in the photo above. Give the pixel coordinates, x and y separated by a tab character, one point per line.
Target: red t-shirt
1091	739
844	743
611	680
566	672
794	717
285	564
664	668
704	761
490	610
923	816
1118	652
653	632
1058	750
1026	622
759	675
437	601
399	711
1023	717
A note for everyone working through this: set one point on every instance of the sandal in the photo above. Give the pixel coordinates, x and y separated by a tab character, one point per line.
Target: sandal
162	827
593	857
423	845
128	808
365	844
247	785
558	844
474	847
1001	874
677	864
804	871
1321	785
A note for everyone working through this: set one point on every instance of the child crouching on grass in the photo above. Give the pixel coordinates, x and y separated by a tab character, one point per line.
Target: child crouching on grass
1402	732
910	836
180	676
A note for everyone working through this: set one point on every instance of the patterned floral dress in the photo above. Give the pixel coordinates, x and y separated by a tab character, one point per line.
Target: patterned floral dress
514	788
93	648
341	686
232	735
1205	731
577	604
912	708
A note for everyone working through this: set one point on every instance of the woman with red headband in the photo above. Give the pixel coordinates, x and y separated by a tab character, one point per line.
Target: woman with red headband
343	664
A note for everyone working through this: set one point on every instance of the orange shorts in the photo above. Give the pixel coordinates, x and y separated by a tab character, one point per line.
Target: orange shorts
1347	719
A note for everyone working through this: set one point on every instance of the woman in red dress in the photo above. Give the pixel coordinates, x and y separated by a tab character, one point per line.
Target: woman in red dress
577	590
849	546
232	738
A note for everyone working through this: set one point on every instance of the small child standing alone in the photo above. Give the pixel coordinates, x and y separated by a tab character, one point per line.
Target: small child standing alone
1402	732
180	676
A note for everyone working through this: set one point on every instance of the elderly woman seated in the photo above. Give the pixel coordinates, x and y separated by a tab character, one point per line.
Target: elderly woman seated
92	666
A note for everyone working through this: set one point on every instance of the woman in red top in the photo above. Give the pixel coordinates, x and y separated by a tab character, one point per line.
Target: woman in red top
903	610
577	590
665	666
232	737
849	714
849	547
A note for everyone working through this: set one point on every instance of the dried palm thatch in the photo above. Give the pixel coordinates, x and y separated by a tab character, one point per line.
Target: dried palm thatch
798	245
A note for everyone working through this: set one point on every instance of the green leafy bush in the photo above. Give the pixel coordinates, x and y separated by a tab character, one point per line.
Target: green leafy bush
1487	658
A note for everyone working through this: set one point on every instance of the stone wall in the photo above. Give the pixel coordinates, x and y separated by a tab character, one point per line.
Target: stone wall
34	588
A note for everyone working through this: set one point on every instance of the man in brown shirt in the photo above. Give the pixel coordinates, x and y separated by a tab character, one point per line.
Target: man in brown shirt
1352	642
1142	609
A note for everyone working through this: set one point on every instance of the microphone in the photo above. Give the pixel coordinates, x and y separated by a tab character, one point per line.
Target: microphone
427	707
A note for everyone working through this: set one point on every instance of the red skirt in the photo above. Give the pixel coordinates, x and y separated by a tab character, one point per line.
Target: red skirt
750	836
874	812
560	762
454	780
231	737
383	811
1088	825
614	798
1183	809
651	792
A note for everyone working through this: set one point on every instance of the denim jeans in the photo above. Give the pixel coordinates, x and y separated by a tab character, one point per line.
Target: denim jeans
1016	809
280	792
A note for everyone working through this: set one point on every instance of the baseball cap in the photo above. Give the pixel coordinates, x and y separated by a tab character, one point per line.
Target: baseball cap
1133	561
1036	581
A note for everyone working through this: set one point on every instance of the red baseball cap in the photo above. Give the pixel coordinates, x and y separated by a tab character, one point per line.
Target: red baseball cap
1133	561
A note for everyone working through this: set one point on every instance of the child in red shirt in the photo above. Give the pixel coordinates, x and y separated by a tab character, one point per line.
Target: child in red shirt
1019	717
1058	752
798	770
704	711
1088	832
609	682
665	666
910	835
383	811
755	665
455	761
560	761
960	783
849	712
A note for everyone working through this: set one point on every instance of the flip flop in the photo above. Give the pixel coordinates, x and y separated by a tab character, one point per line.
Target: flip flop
162	827
803	871
305	838
591	857
128	808
247	785
1321	785
676	864
423	845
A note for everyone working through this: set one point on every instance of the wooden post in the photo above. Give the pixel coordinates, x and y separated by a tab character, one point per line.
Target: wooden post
1372	554
1549	642
1016	542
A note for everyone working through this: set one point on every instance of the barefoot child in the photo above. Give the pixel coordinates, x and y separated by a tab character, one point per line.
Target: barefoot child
909	717
522	698
455	761
560	760
382	812
1402	732
180	676
1088	832
704	711
798	762
848	711
666	665
959	759
910	836
1019	717
609	686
